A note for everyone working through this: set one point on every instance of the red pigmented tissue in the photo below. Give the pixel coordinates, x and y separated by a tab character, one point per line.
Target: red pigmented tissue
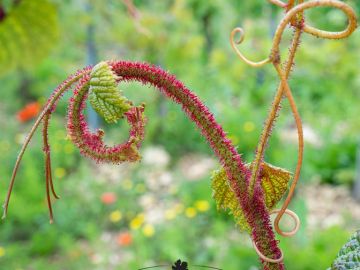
108	198
29	112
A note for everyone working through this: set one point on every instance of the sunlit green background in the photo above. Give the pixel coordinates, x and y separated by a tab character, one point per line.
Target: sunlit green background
160	210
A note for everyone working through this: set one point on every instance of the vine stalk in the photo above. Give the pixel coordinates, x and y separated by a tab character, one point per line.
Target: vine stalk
294	16
99	82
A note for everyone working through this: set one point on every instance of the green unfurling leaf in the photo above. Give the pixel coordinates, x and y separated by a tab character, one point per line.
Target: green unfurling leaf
274	182
349	255
105	97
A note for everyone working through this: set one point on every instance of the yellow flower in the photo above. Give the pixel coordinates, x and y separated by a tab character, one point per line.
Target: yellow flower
148	230
190	212
115	216
202	205
60	172
249	126
2	251
136	222
170	214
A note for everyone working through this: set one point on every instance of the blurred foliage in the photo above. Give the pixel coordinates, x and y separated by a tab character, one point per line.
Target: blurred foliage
27	33
191	41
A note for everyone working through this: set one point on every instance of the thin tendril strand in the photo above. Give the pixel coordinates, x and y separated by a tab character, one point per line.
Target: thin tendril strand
269	124
350	13
48	198
275	49
284	209
47	108
266	259
239	30
293	215
48	173
289	18
276	106
135	15
286	87
282	4
297	222
325	34
273	113
278	3
290	5
233	42
47	151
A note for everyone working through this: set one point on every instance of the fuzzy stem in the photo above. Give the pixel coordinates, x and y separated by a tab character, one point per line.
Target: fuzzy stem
49	106
48	173
46	150
238	175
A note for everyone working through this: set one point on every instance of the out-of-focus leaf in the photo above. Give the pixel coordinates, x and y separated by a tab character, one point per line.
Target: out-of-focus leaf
27	33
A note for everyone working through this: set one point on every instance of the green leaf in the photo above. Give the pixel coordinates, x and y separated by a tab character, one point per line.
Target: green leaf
27	34
225	199
274	182
349	255
104	95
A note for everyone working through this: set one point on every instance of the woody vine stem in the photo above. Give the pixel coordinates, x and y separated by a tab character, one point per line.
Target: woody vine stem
246	182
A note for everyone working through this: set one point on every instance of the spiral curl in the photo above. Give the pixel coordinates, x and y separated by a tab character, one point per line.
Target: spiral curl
91	144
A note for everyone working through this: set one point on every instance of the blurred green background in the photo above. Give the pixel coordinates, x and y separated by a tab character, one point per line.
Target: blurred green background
159	210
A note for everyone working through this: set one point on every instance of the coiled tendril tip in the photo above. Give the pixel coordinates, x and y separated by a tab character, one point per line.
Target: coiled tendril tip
290	213
234	42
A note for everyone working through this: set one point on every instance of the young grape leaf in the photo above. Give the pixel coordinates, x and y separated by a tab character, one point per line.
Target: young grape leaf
274	182
104	96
